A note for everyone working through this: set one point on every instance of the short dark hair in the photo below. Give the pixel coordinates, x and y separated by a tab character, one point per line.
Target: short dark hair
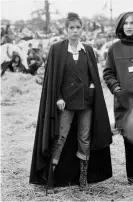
71	17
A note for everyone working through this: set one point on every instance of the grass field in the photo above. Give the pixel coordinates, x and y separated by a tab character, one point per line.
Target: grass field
20	103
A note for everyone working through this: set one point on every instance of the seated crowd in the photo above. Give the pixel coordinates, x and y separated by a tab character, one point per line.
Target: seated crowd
36	58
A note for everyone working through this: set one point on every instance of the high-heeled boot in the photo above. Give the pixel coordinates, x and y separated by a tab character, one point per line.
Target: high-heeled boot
83	173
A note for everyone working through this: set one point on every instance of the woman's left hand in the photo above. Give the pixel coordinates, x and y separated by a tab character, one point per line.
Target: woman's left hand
61	104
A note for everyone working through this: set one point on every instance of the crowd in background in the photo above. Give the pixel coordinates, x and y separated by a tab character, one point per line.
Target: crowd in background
36	55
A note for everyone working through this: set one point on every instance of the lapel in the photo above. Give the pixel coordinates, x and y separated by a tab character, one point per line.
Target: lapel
71	63
63	55
75	68
71	60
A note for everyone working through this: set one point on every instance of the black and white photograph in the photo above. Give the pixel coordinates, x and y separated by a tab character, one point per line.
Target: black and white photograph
66	100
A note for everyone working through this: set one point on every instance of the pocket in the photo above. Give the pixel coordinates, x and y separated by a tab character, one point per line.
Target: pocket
123	64
91	91
89	94
69	85
130	75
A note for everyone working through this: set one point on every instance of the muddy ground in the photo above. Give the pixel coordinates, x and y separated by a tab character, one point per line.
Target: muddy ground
20	103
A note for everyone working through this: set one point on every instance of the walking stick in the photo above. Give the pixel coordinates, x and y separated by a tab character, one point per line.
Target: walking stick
51	172
50	178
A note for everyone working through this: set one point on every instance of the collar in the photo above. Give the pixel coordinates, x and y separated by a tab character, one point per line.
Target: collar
79	47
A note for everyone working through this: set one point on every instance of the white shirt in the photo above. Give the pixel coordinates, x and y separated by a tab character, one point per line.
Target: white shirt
76	53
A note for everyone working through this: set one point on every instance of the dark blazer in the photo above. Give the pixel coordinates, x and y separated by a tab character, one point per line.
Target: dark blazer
75	83
47	126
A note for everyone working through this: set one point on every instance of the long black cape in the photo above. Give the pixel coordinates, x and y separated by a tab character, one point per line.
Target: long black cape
68	169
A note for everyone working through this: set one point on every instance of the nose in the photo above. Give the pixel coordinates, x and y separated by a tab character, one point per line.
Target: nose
75	29
128	25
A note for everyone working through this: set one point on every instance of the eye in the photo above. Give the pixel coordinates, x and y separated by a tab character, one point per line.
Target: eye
78	27
71	27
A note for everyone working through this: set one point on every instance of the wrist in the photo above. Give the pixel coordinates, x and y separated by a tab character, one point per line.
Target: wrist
60	100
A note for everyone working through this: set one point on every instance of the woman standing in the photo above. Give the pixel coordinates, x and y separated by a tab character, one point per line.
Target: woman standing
118	75
72	140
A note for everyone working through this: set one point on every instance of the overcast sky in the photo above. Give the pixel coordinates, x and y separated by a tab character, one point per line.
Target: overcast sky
21	9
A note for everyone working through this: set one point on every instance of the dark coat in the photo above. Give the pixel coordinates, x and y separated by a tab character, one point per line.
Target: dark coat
116	72
120	57
67	171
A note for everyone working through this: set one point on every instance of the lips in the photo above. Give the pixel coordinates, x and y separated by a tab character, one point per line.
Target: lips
129	30
75	35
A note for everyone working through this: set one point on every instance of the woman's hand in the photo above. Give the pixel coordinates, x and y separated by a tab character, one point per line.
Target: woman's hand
61	104
92	85
33	62
14	64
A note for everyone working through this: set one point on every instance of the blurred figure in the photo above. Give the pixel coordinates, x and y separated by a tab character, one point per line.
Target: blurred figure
118	75
8	34
34	62
7	51
41	52
14	65
2	35
40	74
29	48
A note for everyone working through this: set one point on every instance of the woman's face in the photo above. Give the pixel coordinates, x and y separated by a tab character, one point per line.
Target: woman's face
17	59
128	26
74	30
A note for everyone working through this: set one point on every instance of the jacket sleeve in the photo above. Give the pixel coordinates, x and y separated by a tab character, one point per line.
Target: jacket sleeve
5	66
109	73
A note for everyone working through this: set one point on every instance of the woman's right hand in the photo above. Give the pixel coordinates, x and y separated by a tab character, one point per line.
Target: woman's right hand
61	104
33	62
14	64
